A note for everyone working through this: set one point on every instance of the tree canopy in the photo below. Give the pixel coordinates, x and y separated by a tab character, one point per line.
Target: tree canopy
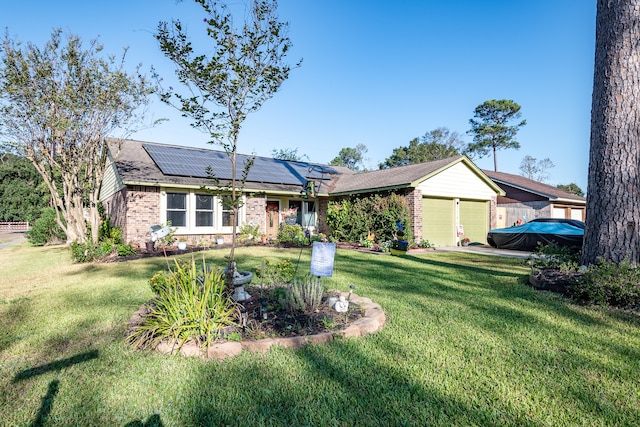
351	157
571	188
493	129
23	193
58	103
437	144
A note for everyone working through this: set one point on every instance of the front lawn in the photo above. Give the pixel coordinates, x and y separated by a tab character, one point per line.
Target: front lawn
466	342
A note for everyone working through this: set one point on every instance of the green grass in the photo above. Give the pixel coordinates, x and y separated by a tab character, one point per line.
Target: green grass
467	342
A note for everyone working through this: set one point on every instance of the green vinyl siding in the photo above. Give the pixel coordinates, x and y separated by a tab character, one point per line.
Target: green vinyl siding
474	218
438	221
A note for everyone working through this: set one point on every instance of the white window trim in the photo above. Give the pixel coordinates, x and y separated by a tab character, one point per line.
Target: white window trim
191	228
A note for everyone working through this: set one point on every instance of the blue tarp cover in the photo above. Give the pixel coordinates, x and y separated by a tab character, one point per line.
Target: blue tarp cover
526	237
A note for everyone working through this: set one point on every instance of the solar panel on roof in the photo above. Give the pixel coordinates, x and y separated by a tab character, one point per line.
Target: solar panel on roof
193	162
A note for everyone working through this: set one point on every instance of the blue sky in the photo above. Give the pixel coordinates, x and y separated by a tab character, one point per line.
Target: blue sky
378	73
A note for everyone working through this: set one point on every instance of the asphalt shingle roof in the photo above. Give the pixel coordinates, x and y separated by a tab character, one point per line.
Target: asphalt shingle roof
553	193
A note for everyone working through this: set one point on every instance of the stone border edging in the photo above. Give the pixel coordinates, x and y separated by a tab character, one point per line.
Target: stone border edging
372	321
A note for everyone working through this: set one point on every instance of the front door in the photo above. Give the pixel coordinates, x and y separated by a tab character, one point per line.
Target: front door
273	214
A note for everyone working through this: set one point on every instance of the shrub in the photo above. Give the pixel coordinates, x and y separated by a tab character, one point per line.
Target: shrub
385	246
556	257
249	232
276	272
125	249
291	234
45	229
87	251
190	304
351	218
610	284
425	244
304	296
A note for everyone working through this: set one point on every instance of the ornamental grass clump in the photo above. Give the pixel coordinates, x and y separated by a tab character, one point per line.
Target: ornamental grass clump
190	304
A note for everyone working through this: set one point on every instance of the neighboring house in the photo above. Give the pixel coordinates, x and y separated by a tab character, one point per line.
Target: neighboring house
448	199
526	199
148	184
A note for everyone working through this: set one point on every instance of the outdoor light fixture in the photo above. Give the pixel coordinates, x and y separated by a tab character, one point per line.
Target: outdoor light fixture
243	316
351	288
263	309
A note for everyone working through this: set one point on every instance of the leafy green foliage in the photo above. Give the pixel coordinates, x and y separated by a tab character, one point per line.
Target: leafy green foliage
249	232
190	304
609	284
492	129
351	157
572	188
87	251
110	241
23	194
555	257
437	144
351	218
425	244
304	295
45	229
276	272
291	234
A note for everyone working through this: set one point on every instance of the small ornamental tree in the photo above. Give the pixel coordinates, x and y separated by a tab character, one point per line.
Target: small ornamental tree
57	105
235	75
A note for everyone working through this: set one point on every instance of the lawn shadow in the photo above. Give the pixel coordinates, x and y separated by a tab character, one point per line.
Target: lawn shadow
153	421
56	365
46	405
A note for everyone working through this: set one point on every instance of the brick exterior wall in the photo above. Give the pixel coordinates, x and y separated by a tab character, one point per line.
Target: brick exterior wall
135	209
414	200
255	208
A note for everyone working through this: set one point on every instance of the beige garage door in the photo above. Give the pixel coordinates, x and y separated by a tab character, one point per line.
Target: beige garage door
474	217
438	221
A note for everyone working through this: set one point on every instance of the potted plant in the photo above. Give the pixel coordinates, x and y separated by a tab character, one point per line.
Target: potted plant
291	216
465	241
399	246
182	243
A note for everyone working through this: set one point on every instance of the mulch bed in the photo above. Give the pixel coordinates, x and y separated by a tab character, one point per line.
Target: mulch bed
281	323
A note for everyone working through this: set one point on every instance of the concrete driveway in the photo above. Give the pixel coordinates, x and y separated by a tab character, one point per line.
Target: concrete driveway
487	250
10	238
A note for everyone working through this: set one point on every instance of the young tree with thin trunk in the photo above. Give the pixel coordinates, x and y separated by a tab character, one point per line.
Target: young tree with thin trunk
240	70
613	193
57	105
492	129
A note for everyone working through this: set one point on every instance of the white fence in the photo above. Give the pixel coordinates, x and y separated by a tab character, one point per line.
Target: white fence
14	226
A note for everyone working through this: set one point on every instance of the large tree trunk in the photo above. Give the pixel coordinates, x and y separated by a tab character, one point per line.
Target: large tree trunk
613	199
